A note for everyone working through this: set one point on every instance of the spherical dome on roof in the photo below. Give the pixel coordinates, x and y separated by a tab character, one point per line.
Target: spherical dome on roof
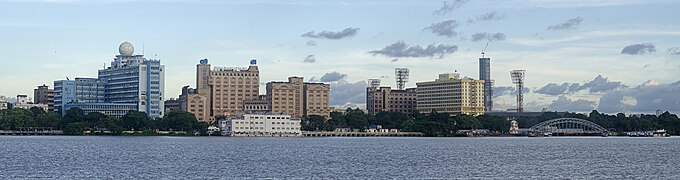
126	49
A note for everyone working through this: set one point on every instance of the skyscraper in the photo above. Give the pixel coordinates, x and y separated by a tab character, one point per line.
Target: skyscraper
451	94
485	74
133	79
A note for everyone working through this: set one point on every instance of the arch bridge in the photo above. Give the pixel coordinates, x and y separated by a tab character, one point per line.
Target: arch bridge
568	126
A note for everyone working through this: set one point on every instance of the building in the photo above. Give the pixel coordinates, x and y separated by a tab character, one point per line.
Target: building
298	99
3	103
227	88
24	103
79	90
257	106
110	109
44	95
171	105
390	100
133	79
191	101
485	75
262	125
451	94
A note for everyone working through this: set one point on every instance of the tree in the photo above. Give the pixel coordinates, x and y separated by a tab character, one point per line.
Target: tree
95	120
77	128
357	119
391	120
74	115
315	123
113	125
16	118
180	120
48	120
136	120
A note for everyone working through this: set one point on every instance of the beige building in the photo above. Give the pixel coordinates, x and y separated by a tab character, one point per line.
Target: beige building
451	94
227	88
195	103
256	106
298	99
390	100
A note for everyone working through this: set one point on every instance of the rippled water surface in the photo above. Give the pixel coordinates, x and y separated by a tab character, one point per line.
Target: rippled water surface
338	158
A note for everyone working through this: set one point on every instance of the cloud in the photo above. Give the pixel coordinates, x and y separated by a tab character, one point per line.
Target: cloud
638	49
675	51
309	59
572	23
311	43
348	94
488	36
445	28
564	103
345	33
400	49
332	77
555	89
394	60
598	85
447	8
508	90
647	97
486	17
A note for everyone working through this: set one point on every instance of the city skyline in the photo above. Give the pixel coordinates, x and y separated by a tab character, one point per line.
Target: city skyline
622	54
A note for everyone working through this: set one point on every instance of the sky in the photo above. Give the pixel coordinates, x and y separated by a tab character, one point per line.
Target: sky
579	55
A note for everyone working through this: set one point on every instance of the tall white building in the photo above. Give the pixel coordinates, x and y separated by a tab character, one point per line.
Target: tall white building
133	79
262	125
3	102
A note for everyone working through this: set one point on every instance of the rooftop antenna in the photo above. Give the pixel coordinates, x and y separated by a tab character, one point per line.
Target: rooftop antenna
484	50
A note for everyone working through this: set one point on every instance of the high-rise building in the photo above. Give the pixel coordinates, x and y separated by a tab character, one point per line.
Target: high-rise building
485	74
451	94
87	94
298	99
227	88
390	100
44	95
133	79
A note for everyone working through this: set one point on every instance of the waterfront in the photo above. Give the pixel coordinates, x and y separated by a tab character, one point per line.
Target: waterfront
103	157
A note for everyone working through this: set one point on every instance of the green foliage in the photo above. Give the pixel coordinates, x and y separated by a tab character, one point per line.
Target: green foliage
77	128
391	120
179	121
316	123
48	119
136	120
15	118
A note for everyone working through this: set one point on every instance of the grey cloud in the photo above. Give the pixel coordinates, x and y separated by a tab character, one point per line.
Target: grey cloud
311	43
332	77
570	24
675	51
564	103
384	76
346	94
486	17
400	49
488	36
394	60
645	66
647	97
445	28
639	49
309	59
598	85
447	8
508	90
345	33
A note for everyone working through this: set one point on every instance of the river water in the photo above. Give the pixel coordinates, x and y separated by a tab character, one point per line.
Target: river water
102	157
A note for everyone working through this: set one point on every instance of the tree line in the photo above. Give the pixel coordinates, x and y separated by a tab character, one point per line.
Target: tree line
445	124
76	122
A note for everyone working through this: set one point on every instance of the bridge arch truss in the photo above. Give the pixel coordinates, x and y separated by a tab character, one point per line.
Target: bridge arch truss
568	126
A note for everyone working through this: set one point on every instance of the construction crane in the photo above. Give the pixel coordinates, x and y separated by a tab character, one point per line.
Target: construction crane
484	50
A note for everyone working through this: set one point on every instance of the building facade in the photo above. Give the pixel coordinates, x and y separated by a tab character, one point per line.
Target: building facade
133	79
262	125
451	94
171	104
44	95
386	99
257	106
24	103
3	103
80	90
298	99
191	101
227	88
485	75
